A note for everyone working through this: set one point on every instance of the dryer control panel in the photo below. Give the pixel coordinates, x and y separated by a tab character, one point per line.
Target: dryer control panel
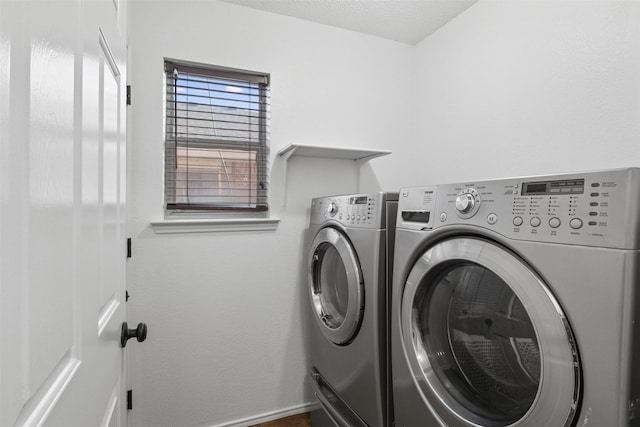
352	210
592	209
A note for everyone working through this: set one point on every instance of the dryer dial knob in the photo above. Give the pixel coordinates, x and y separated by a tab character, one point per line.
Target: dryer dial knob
465	202
332	209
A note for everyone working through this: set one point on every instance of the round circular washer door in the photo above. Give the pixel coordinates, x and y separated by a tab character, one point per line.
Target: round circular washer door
485	339
336	286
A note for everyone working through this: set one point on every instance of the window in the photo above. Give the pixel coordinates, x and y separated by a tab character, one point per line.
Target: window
216	139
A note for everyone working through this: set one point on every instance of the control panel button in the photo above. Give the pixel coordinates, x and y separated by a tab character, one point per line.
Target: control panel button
332	209
535	221
465	203
492	218
575	223
554	222
517	221
443	217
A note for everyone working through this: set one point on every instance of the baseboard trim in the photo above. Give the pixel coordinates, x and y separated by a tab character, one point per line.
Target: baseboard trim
271	416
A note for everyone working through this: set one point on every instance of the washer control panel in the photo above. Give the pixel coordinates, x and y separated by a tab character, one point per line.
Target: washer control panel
353	210
594	209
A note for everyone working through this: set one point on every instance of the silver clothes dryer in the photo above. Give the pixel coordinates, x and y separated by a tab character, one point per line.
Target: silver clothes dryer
515	302
348	280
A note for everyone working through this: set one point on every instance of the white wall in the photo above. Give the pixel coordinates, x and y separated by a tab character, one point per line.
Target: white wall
226	339
507	88
514	88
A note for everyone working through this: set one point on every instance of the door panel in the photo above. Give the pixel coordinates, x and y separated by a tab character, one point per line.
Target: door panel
111	416
62	263
111	233
48	311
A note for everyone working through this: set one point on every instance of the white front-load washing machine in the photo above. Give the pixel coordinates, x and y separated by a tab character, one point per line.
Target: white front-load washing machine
348	279
515	302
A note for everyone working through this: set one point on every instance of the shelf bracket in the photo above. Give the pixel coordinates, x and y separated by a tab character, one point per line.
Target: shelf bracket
285	167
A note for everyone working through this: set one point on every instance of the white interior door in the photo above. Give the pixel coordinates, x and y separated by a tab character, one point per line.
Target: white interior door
62	195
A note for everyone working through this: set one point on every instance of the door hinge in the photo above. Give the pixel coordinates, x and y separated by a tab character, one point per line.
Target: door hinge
128	94
129	399
129	247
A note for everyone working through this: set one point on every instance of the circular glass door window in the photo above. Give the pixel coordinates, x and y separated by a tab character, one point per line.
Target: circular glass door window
336	286
482	344
331	285
485	339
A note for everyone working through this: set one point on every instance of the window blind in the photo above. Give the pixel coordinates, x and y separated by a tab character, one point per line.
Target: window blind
216	139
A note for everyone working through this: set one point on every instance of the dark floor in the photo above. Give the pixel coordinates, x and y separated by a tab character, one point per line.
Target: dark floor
301	420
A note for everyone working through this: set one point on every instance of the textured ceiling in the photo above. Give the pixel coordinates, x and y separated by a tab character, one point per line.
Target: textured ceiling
406	21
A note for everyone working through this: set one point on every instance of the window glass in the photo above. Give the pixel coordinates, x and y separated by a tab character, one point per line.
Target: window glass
216	139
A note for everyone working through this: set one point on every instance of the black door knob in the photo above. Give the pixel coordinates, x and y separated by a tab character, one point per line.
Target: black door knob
140	333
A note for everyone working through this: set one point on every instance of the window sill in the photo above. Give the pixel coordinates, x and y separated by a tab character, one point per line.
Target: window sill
177	226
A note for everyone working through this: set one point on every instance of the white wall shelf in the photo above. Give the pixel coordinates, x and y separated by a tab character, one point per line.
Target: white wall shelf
358	155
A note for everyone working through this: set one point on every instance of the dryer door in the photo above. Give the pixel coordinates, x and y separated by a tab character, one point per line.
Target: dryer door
485	339
336	286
